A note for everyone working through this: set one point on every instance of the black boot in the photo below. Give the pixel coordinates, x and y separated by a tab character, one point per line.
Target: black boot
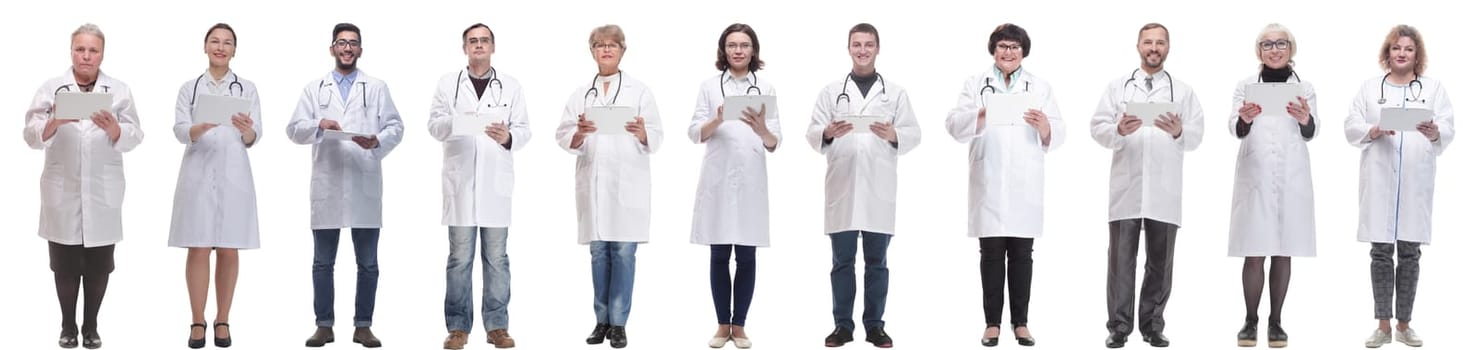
598	335
1248	336
617	335
1276	337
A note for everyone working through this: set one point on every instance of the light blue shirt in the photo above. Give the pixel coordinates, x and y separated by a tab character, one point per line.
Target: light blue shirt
1015	76
345	82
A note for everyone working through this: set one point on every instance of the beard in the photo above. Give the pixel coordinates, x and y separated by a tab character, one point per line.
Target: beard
347	66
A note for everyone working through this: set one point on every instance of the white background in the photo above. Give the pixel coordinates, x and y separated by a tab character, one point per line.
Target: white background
927	48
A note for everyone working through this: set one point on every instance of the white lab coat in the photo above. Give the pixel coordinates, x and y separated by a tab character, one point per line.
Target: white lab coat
1146	175
1398	172
82	181
862	168
215	198
476	171
346	186
732	204
1273	191
613	175
1007	163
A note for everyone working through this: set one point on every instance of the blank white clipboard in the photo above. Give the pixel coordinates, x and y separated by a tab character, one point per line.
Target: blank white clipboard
1272	97
860	121
473	123
1148	111
734	105
610	120
1009	109
341	135
1403	119
80	105
218	109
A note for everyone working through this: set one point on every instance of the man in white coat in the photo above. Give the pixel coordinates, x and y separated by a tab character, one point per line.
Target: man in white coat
480	118
82	182
1145	182
861	181
352	124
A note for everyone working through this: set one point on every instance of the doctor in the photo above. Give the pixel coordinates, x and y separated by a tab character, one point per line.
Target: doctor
1273	196
82	182
346	186
215	201
477	184
1145	183
861	181
613	180
1006	175
1398	173
732	213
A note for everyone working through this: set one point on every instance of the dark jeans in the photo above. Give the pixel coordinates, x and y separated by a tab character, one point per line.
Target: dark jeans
366	253
844	277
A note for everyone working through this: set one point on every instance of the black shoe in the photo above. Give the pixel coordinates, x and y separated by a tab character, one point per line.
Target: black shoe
363	336
223	342
1276	337
197	343
91	339
617	335
991	341
1116	340
1023	341
323	335
879	338
68	339
1156	339
1247	337
838	337
598	335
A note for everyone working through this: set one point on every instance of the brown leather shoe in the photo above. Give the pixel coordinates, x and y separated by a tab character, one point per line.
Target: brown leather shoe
500	338
455	340
363	336
323	335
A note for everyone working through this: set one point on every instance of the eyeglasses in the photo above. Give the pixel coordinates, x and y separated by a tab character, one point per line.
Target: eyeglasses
346	43
1006	47
738	46
1268	45
481	39
606	46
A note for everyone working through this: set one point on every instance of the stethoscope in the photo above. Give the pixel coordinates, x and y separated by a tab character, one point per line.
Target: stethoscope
848	97
993	88
68	88
753	77
493	80
1168	77
235	83
1417	83
323	104
592	95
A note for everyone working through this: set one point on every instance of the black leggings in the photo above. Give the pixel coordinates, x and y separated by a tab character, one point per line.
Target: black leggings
74	267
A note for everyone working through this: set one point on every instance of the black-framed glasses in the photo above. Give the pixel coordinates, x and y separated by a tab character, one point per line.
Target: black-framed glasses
346	43
1268	45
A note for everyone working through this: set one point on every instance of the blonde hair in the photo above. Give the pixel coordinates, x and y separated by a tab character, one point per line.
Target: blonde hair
1416	39
1276	28
609	31
90	29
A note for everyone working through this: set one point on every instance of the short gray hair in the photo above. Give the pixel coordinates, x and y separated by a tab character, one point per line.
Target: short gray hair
91	29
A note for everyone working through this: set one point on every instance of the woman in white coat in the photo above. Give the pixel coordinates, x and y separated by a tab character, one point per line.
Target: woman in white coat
82	182
613	180
1007	173
732	213
215	200
1398	173
1273	192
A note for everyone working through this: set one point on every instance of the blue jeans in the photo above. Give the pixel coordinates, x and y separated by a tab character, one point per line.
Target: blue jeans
742	286
366	256
495	277
613	271
844	277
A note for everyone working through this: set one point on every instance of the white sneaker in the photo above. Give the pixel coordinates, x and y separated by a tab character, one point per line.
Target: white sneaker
1377	339
1408	337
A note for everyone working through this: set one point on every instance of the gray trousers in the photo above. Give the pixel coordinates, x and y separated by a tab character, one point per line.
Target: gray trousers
1123	252
1397	277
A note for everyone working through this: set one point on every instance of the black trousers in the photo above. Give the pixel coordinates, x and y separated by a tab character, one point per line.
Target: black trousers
1006	261
1123	253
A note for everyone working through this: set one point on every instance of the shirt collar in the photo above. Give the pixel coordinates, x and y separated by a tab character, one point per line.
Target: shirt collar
345	80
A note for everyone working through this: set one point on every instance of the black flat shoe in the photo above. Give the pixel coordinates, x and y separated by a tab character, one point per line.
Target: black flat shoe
991	341
1247	337
197	343
1276	337
838	337
1156	339
91	339
68	339
598	335
223	342
1023	341
1116	340
617	335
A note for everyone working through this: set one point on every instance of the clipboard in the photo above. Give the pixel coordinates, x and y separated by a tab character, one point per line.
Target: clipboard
1008	109
734	105
342	135
1148	111
1273	97
80	105
1403	119
610	120
473	123
860	121
218	109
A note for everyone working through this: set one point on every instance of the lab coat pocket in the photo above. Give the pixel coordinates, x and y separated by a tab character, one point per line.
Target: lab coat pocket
503	182
113	185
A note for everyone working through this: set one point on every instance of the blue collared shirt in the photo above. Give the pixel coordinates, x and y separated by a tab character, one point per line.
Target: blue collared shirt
345	82
1015	76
